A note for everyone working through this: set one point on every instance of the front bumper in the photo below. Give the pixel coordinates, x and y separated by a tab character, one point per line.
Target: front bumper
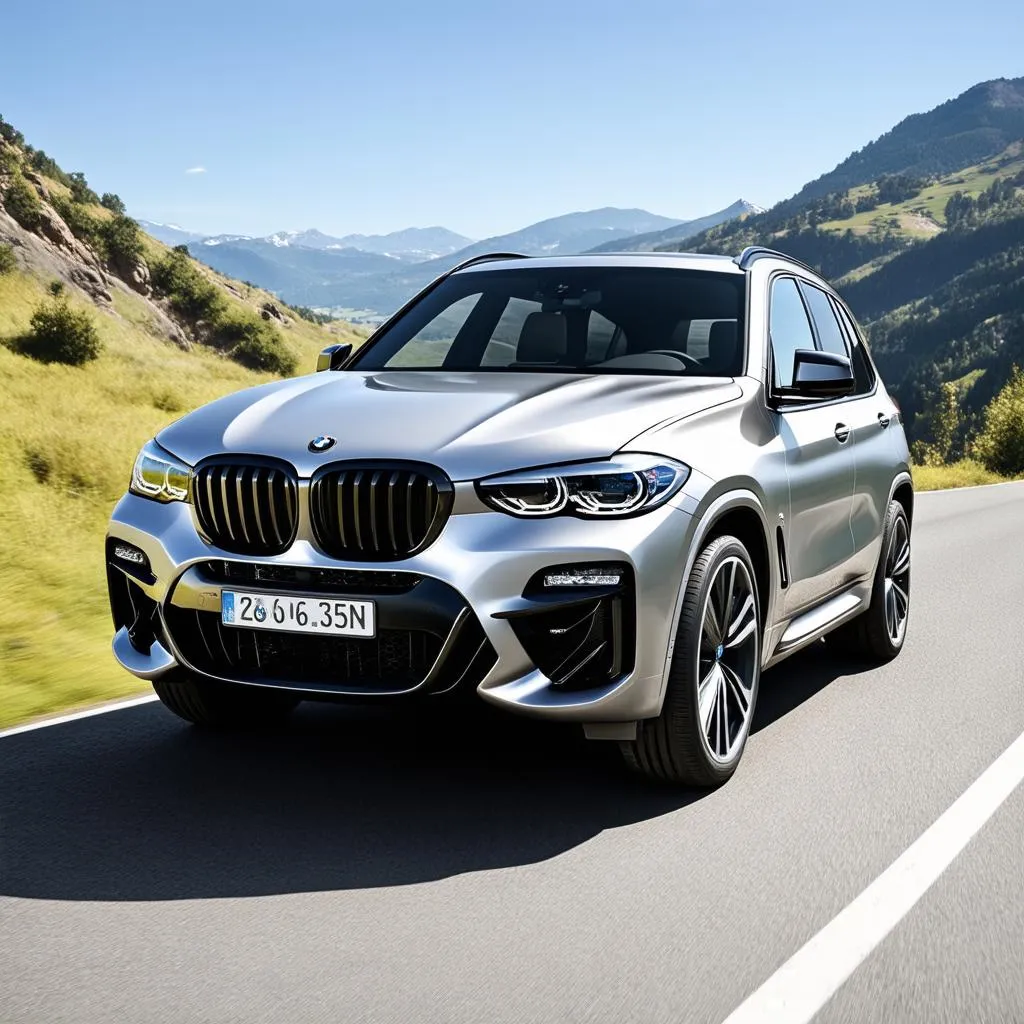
472	597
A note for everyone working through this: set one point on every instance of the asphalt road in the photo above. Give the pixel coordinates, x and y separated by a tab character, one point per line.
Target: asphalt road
363	867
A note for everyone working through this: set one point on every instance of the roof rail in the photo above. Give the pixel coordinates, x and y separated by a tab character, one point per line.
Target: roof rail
755	252
486	257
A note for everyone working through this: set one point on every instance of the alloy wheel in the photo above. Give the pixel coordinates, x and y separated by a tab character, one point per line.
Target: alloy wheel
897	582
727	659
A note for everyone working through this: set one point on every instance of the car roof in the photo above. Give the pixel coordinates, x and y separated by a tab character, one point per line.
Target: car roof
673	260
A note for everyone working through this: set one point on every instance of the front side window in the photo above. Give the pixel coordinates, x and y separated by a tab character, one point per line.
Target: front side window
572	319
788	327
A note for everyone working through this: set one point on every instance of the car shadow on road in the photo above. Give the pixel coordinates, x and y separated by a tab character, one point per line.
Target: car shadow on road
135	805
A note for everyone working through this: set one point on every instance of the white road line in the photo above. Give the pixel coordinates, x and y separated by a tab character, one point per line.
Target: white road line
805	982
88	713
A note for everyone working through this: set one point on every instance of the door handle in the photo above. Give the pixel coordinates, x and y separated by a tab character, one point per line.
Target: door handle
883	420
842	433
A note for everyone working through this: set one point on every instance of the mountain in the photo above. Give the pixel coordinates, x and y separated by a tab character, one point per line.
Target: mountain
651	240
930	253
416	244
963	131
569	233
169	234
377	273
306	276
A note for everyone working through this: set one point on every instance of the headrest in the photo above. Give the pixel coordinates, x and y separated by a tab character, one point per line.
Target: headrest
680	336
542	339
722	354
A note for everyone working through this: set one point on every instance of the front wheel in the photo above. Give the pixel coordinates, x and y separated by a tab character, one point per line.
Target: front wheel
699	736
222	705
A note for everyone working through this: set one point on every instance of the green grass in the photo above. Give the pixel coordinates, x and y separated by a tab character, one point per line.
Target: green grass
67	440
965	473
930	203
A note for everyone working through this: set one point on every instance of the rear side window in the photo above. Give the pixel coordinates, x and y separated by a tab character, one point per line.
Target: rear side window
830	334
789	329
863	371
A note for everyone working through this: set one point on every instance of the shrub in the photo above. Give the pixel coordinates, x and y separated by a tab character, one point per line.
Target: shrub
190	294
1000	446
256	344
61	334
113	202
82	223
80	191
122	240
22	203
47	165
56	288
8	264
11	134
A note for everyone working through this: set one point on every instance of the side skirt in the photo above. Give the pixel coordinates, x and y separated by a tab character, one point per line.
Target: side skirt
823	618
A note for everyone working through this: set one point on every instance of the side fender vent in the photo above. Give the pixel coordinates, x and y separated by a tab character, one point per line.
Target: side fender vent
780	543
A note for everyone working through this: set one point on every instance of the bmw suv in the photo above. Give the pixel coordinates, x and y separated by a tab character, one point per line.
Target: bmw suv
609	490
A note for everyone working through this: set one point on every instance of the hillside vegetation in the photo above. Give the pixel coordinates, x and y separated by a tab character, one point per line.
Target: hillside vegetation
69	433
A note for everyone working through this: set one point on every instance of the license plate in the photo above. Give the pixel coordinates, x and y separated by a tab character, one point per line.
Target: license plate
328	615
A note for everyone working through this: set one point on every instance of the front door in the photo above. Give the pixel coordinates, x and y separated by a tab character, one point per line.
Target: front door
818	442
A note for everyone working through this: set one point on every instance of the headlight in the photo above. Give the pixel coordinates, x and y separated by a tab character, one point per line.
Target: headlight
158	474
623	486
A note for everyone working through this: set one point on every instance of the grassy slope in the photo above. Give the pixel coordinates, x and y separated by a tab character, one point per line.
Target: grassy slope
67	440
924	214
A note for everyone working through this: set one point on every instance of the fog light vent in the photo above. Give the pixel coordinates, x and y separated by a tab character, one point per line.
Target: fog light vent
129	559
584	576
127	553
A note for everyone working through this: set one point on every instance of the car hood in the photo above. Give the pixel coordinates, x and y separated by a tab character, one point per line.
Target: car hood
469	424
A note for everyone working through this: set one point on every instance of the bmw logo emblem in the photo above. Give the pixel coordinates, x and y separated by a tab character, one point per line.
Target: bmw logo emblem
322	443
260	612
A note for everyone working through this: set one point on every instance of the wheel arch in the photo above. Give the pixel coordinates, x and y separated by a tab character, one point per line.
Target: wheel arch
903	492
738	513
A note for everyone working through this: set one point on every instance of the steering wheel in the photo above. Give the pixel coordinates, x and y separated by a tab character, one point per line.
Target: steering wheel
683	356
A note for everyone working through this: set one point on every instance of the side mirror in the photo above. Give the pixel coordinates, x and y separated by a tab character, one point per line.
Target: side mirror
821	374
333	357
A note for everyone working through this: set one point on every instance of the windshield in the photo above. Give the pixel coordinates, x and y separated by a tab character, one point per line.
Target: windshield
587	319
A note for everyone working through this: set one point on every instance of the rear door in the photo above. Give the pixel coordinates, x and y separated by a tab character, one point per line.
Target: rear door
873	416
819	463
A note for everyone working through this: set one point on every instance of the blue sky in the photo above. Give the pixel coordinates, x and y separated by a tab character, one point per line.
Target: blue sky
480	116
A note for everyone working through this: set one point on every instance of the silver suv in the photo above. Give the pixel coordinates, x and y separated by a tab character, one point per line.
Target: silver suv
601	489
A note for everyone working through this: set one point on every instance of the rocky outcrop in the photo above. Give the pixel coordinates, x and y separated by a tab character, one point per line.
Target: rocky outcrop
269	311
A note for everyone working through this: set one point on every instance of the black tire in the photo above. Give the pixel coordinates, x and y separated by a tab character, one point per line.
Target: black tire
222	706
674	746
868	637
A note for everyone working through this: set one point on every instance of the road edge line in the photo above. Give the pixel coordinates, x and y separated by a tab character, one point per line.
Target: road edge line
813	975
74	716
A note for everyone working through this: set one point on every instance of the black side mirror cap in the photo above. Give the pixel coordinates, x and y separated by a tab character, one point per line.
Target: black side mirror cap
333	357
821	374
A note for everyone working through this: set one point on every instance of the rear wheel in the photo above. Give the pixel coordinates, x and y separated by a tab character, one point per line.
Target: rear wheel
878	633
699	736
223	705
